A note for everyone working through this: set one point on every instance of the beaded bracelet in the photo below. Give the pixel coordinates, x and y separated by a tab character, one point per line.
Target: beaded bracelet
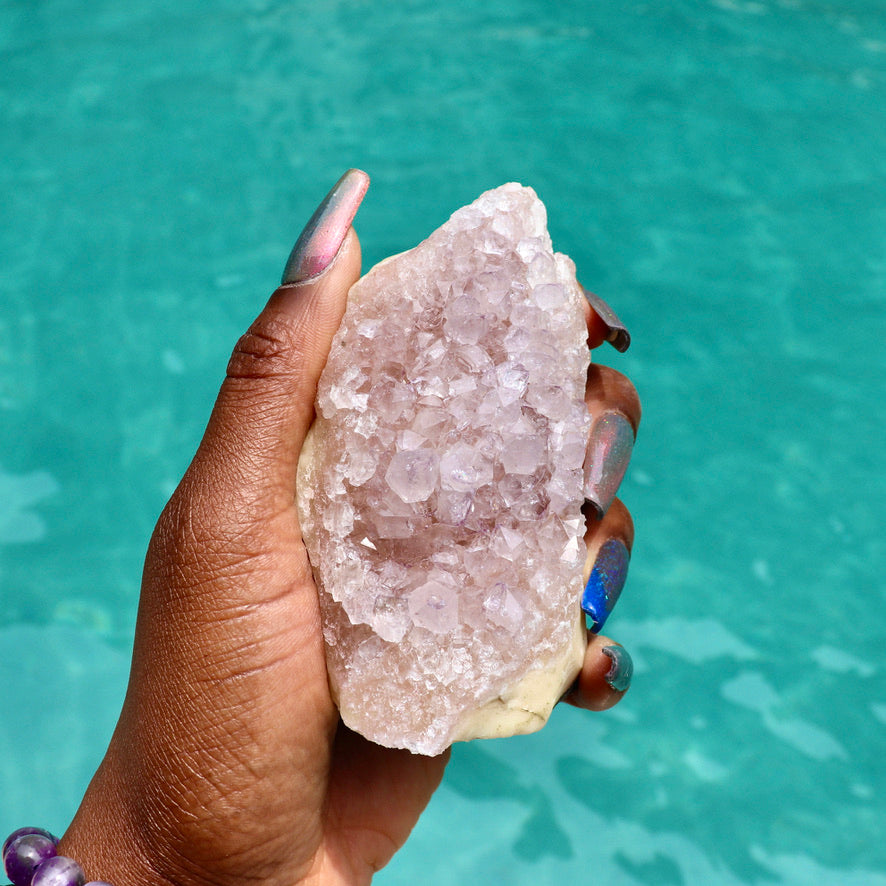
30	859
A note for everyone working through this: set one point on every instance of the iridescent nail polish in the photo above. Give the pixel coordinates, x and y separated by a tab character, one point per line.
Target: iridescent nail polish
621	670
605	583
617	333
609	451
320	241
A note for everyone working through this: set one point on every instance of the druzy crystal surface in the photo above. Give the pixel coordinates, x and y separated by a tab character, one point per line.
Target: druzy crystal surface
440	487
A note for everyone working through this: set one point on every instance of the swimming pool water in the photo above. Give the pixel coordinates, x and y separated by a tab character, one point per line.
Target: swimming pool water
717	169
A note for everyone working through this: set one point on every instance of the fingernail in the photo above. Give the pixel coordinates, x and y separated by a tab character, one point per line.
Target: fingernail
621	670
618	335
604	586
320	241
609	451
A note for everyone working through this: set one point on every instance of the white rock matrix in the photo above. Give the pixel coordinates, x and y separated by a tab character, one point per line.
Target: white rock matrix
440	488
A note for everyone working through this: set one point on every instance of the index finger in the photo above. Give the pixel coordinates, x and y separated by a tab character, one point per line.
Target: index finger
603	323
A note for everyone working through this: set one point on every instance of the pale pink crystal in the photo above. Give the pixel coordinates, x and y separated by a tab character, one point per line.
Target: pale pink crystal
440	489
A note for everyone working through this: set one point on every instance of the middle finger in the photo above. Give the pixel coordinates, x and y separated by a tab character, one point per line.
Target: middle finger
614	406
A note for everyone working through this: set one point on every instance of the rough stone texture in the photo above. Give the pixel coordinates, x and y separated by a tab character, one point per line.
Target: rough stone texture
440	489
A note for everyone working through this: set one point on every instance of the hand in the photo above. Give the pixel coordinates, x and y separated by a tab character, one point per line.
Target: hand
229	762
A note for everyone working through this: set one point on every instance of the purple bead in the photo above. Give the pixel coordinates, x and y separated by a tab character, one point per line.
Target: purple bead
59	871
21	832
24	854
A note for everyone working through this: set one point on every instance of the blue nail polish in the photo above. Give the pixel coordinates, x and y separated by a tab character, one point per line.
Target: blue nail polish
622	668
607	579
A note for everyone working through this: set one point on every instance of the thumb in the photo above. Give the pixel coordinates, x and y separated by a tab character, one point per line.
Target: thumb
266	403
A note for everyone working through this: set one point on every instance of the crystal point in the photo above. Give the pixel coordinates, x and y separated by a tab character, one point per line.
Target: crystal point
440	488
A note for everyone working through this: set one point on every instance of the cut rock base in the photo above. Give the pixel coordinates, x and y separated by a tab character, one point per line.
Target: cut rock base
439	489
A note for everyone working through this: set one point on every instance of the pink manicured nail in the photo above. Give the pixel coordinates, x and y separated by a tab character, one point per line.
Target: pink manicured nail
609	451
320	241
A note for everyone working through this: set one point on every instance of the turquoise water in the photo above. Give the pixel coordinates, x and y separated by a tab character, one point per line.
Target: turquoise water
718	172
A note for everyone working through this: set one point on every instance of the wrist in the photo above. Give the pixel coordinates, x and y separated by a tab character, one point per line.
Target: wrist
112	843
103	838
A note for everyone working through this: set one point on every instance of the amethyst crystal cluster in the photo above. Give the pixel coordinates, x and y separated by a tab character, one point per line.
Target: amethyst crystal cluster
440	487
